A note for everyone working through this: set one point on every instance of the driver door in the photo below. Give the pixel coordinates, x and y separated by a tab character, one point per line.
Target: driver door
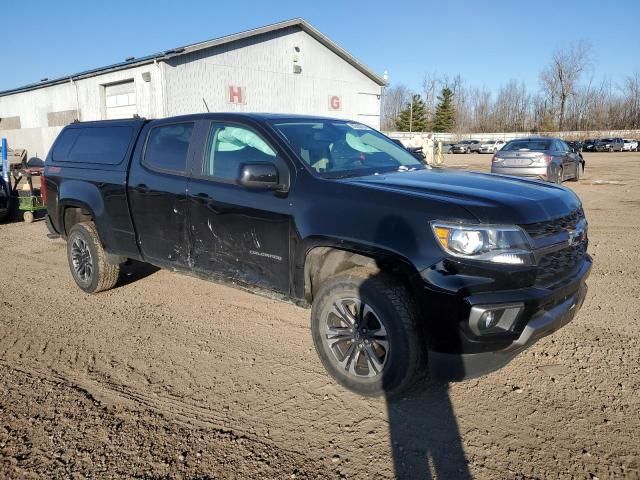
239	233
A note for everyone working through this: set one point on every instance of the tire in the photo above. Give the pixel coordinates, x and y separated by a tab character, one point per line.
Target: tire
559	177
610	149
88	260
28	217
50	229
579	173
387	304
467	151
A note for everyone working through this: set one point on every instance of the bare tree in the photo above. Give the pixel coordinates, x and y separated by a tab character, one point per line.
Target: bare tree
631	98
431	87
393	101
563	101
562	75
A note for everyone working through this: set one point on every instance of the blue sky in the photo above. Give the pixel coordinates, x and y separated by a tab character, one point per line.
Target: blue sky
487	42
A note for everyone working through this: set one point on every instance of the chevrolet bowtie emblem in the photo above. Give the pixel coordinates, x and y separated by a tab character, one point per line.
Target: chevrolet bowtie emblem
575	236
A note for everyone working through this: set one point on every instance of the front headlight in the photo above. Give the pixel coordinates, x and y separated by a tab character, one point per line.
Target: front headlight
496	244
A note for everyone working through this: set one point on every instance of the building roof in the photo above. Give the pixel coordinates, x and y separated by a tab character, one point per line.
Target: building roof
174	52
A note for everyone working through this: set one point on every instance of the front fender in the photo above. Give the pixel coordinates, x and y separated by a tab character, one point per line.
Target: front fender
378	254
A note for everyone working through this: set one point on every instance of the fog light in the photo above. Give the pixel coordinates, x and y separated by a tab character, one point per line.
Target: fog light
491	319
488	319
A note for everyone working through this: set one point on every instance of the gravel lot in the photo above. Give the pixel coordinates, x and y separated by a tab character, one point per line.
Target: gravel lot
168	376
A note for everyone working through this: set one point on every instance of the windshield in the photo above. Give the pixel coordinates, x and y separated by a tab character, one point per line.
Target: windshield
490	142
535	145
337	149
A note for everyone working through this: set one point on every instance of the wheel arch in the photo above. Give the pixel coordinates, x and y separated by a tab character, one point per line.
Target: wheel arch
82	201
72	212
320	259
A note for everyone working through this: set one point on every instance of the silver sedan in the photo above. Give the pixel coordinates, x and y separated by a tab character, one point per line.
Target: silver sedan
548	159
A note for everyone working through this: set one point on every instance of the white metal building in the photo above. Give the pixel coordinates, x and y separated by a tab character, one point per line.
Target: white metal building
287	67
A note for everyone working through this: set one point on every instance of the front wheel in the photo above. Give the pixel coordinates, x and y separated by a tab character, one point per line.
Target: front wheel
88	260
364	330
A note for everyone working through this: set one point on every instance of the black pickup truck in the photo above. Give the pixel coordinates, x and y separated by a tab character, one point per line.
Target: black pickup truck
410	272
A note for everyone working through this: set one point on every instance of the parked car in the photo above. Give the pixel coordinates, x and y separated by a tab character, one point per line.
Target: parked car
589	145
415	151
630	145
4	200
548	159
466	146
491	146
609	145
576	146
447	147
408	270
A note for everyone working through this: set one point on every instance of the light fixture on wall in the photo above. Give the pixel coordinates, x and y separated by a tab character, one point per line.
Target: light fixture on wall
146	76
297	68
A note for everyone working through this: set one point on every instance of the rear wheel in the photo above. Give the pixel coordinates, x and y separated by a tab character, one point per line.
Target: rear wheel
579	173
88	260
364	330
52	231
559	176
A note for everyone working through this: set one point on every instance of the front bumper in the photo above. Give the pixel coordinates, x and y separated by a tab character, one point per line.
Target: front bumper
546	310
455	367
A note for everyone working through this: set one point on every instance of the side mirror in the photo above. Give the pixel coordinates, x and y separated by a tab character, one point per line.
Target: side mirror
259	176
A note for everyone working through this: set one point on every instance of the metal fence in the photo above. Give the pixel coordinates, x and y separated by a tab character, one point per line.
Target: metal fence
418	137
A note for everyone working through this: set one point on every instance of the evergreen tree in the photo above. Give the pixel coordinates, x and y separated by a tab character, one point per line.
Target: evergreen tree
414	116
445	118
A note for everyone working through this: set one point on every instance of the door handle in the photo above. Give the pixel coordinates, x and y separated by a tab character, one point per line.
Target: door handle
142	188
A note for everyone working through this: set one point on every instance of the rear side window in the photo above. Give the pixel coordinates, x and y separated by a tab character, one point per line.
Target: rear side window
167	147
101	145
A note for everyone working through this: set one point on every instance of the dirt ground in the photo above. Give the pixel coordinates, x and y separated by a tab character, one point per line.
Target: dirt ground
168	376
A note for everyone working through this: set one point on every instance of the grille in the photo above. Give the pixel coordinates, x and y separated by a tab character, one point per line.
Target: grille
556	266
550	227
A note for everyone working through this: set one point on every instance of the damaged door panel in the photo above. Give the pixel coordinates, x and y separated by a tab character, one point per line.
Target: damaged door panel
241	233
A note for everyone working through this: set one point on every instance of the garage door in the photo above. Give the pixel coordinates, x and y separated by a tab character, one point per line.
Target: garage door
120	100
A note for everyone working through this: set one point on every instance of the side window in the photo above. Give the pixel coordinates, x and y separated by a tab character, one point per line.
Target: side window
230	146
167	147
102	145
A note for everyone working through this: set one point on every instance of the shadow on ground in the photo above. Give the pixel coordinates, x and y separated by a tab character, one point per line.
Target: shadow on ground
423	430
424	437
132	271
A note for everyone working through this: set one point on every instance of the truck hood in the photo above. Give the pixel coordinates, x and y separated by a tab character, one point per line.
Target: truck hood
489	198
